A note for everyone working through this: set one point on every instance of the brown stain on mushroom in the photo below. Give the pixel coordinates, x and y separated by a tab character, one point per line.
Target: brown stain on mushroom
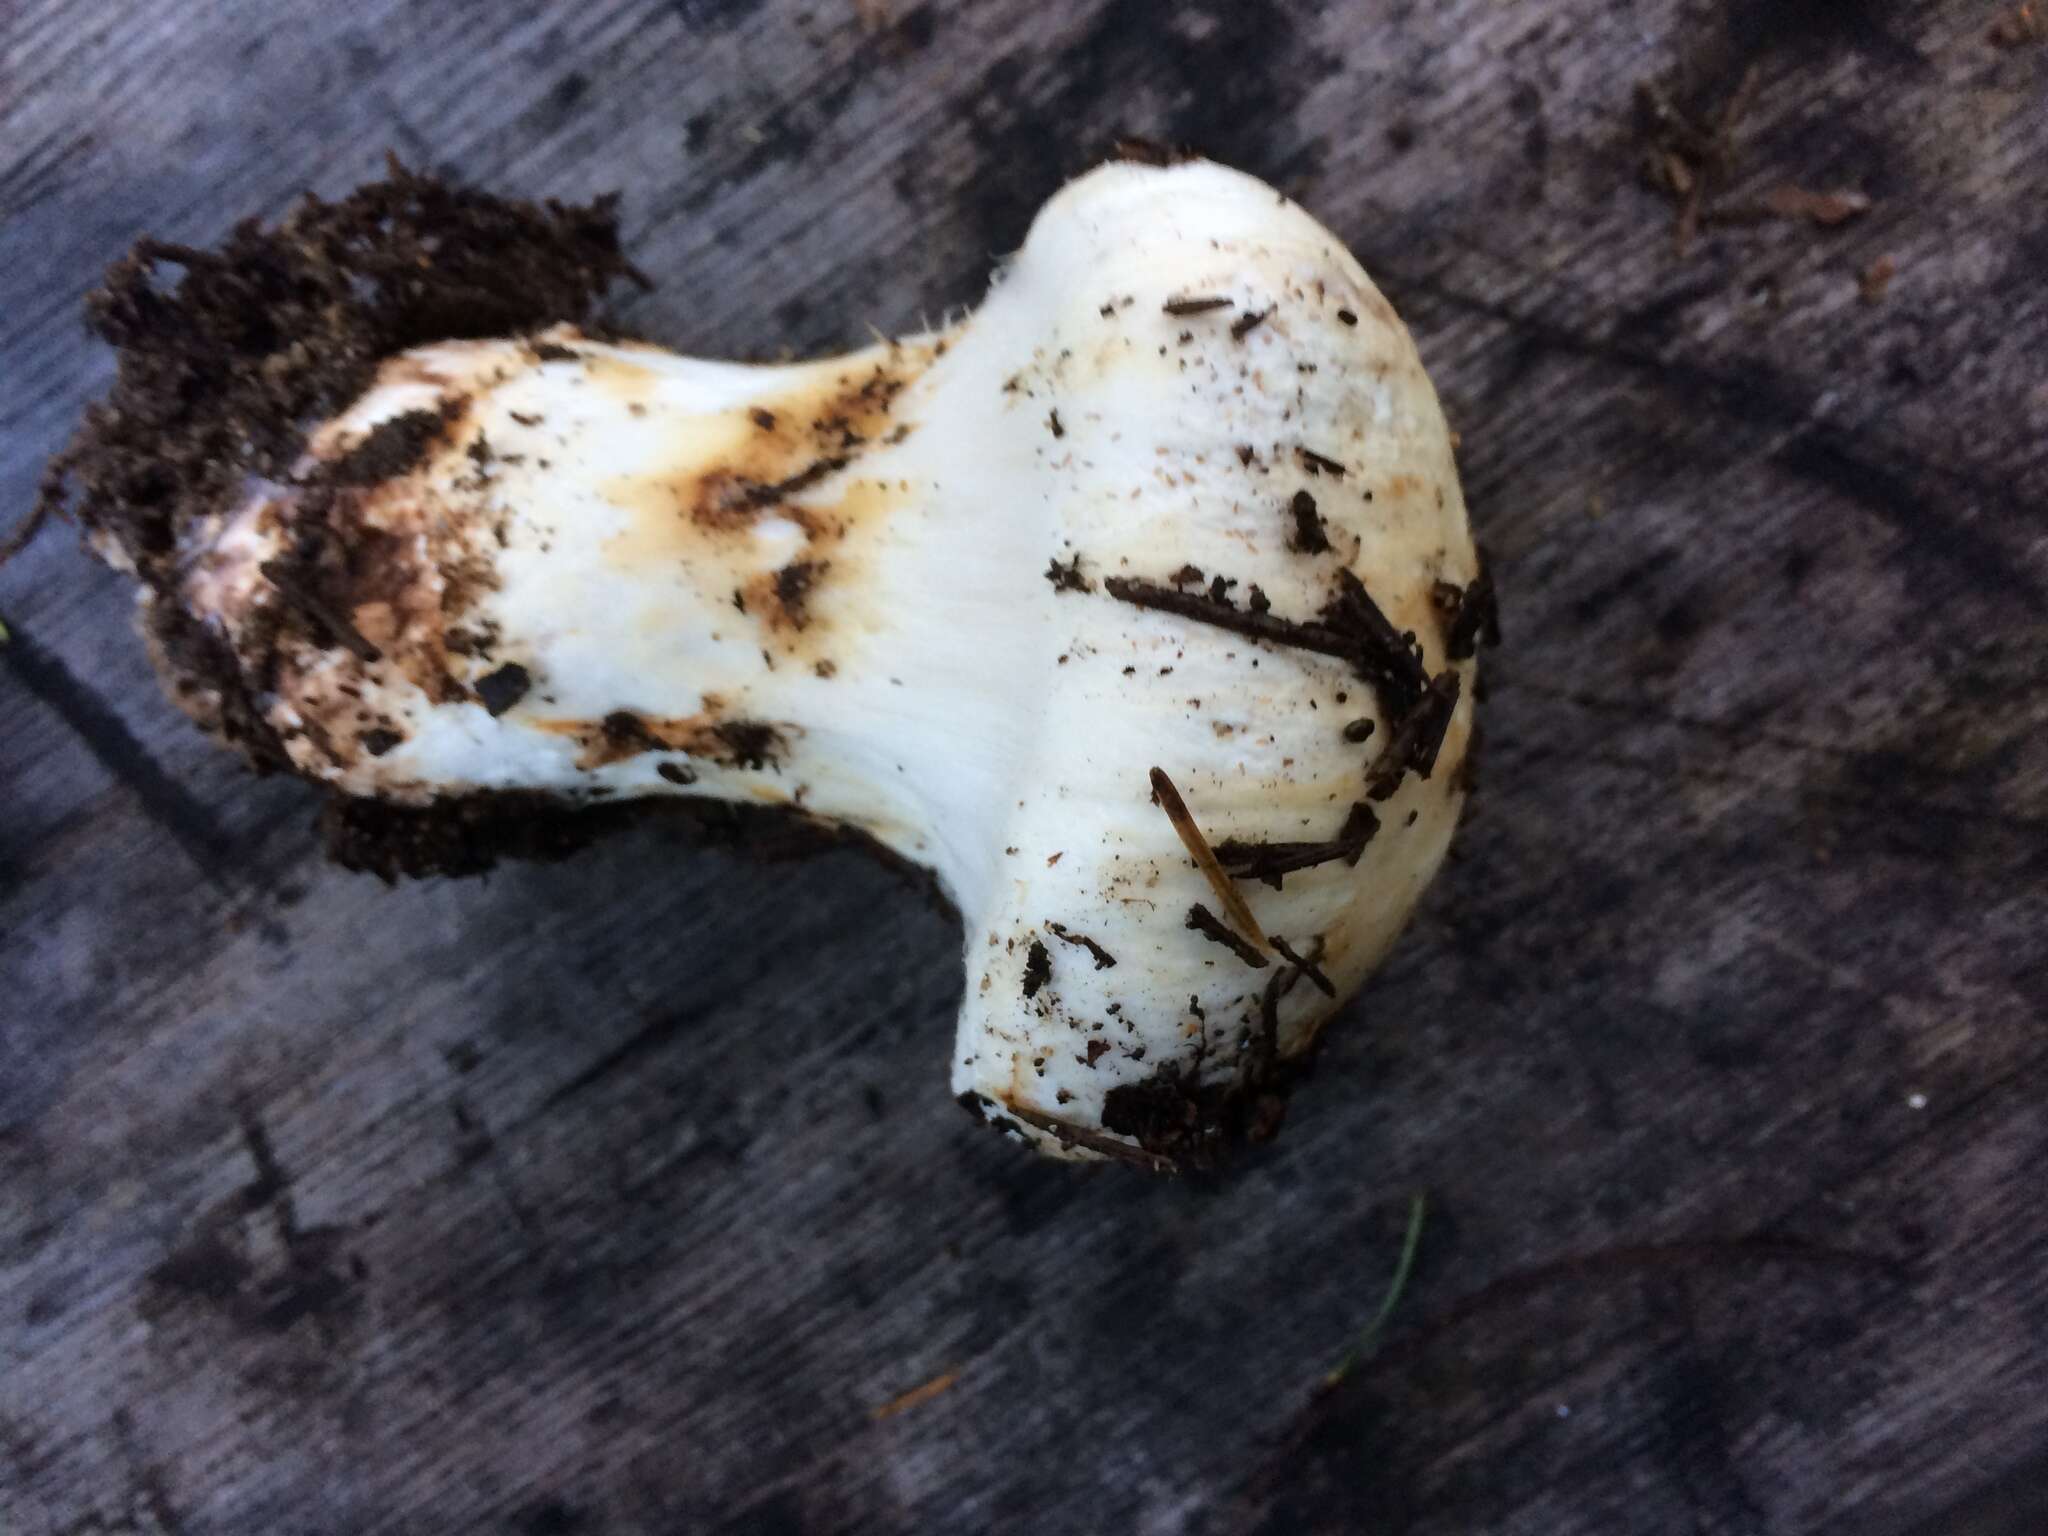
765	506
781	599
409	368
417	565
739	466
617	373
711	735
404	566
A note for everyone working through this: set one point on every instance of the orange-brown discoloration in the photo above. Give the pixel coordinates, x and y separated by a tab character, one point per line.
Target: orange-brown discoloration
781	599
799	441
409	369
768	508
1376	306
771	503
786	575
414	572
710	734
726	501
404	567
769	456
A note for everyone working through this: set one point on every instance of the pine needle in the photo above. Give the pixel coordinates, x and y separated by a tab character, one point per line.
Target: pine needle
1369	1340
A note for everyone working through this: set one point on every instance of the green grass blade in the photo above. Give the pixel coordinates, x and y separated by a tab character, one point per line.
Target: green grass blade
1368	1341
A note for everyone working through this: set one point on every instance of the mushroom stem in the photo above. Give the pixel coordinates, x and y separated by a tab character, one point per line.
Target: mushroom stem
882	590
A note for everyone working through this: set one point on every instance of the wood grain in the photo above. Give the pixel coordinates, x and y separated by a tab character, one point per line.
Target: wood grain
620	1196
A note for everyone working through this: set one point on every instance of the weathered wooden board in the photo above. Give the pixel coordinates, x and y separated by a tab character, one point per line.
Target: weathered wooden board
330	1208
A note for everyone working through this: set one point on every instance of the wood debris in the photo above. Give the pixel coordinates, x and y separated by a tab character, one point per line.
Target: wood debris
1687	160
2019	26
1197	845
1693	163
915	1397
1788	201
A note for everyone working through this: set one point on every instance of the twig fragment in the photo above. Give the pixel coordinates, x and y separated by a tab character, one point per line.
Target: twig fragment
1205	860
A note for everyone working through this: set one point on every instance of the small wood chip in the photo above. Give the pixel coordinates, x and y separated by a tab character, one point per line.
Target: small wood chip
1213	928
1308	537
1826	209
1037	968
1103	958
1268	862
1142	151
1068	577
1689	161
915	1397
2017	27
500	690
1876	278
1308	968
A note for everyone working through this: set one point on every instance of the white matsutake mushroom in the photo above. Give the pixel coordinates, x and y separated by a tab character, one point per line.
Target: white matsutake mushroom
1139	607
